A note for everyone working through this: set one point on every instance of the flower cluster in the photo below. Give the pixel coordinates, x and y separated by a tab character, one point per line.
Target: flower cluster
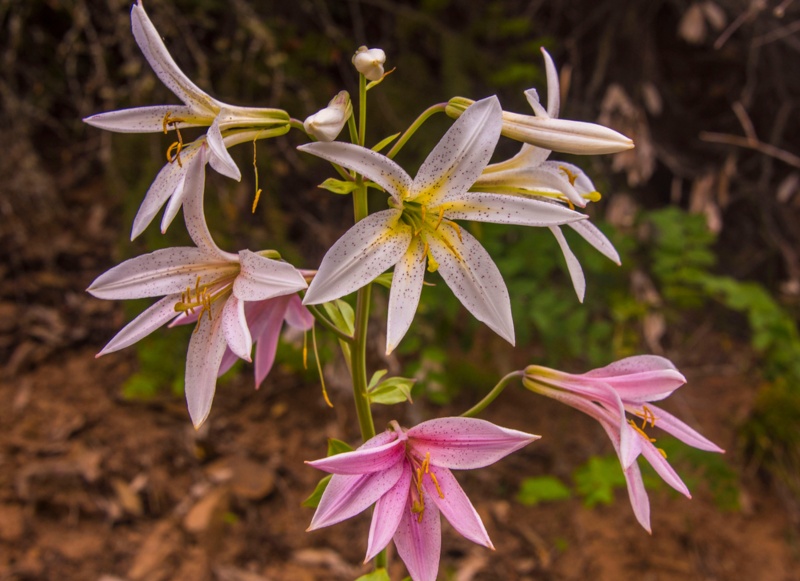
239	301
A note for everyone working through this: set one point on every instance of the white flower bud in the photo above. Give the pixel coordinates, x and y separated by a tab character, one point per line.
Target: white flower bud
369	62
327	123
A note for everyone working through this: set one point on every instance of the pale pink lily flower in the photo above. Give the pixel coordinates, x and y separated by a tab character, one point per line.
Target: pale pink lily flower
205	280
228	125
407	476
265	320
530	174
606	394
419	227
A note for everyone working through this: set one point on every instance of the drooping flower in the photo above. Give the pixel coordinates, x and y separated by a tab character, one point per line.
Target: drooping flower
606	394
369	62
546	130
228	125
202	279
407	475
530	174
327	123
419	227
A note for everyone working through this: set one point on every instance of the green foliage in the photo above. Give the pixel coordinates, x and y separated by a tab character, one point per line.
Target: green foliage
389	391
376	575
597	480
338	186
313	500
338	447
532	491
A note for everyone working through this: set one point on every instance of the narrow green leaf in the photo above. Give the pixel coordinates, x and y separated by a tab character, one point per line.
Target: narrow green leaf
338	447
313	500
338	186
341	314
385	279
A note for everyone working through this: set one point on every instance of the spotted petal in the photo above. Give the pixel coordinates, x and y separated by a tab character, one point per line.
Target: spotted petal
409	274
147	322
461	155
473	277
419	542
465	443
504	209
456	506
573	265
263	278
596	238
143	119
388	514
362	254
203	359
374	166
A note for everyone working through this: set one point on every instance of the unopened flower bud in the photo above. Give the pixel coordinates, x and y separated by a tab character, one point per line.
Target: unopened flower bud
326	124
369	62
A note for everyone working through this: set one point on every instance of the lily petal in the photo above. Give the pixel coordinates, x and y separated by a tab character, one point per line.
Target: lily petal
163	272
456	506
409	274
148	321
594	236
574	267
297	315
419	542
167	184
347	495
473	277
203	359
532	95
221	159
553	86
263	278
461	155
504	209
363	460
466	443
662	467
638	496
359	256
165	68
235	330
564	135
388	514
374	166
142	119
640	378
672	425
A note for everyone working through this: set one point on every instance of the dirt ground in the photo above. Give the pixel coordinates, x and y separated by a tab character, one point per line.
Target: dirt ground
94	487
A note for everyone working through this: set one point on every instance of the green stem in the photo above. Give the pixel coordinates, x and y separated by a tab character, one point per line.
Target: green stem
430	111
492	395
325	322
362	110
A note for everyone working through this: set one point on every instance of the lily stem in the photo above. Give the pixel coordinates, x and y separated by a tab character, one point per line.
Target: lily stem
440	108
492	395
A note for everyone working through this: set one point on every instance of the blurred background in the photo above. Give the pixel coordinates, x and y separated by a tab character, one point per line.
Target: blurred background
101	474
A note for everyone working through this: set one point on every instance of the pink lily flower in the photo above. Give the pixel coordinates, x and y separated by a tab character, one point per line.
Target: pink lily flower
606	394
204	281
407	475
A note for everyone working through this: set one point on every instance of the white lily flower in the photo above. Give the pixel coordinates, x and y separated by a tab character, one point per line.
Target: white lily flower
327	123
546	130
202	278
419	227
530	174
198	110
369	62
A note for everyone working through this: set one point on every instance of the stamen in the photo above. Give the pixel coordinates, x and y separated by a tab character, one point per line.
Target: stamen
641	431
255	171
178	145
436	484
647	416
457	228
570	176
662	452
319	366
441	216
424	252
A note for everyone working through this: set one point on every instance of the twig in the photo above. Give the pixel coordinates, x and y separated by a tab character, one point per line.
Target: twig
754	144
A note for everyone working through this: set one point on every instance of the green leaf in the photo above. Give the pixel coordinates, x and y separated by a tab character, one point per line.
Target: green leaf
376	378
391	391
597	479
313	500
376	575
381	144
338	447
342	315
542	489
338	186
385	279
